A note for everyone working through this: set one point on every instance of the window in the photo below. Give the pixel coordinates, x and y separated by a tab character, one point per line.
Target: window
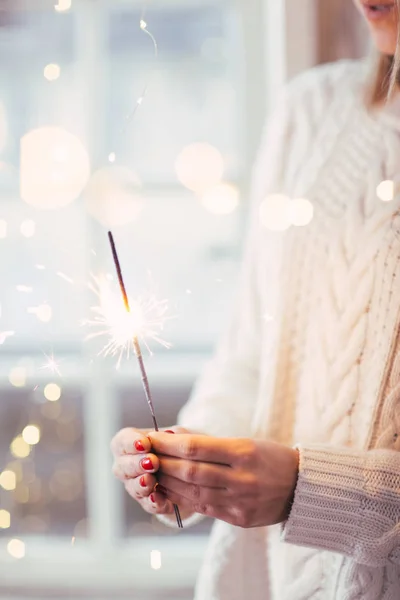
96	128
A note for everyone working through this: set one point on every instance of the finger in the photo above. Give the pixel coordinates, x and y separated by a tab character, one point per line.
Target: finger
195	447
130	441
140	487
127	467
195	494
204	508
205	474
158	504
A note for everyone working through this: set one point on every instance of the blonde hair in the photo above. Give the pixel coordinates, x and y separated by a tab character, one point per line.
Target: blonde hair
386	75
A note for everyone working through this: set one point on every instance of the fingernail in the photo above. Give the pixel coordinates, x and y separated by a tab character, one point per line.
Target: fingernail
153	500
169	431
146	464
142	481
139	446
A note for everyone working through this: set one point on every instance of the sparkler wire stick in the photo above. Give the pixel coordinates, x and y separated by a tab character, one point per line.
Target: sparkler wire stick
138	351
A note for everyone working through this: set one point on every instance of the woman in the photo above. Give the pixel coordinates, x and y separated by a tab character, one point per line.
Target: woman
320	520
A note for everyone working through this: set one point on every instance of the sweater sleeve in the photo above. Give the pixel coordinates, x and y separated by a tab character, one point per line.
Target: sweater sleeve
347	501
224	396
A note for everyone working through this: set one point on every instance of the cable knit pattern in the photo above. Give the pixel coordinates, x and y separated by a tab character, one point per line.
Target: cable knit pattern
325	371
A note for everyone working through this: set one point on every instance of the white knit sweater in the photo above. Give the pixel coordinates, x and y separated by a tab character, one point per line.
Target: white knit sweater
325	371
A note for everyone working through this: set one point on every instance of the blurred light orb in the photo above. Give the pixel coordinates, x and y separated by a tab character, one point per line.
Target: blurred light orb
16	548
223	199
112	196
3	229
199	167
5	519
112	157
19	448
275	212
44	313
52	72
155	560
63	5
386	190
28	228
301	212
52	392
55	168
17	377
31	435
8	480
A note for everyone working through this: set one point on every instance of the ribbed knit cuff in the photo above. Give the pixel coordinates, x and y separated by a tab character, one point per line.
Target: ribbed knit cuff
327	510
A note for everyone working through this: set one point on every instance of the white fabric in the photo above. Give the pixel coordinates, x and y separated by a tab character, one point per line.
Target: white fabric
325	371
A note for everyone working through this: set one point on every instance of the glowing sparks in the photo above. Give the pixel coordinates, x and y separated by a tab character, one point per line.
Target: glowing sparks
51	364
145	321
65	277
26	289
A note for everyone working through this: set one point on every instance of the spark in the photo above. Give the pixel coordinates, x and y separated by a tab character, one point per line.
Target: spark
40	267
65	277
51	364
145	321
26	289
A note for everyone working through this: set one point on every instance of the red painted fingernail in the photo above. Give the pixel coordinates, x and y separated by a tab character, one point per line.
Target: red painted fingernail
152	498
142	481
169	431
139	446
147	464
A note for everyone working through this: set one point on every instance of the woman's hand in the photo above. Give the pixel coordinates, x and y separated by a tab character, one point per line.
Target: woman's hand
249	483
136	466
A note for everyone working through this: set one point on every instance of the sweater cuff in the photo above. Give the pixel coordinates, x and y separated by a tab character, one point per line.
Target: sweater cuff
326	512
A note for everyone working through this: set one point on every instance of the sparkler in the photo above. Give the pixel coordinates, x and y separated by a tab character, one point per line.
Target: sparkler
138	351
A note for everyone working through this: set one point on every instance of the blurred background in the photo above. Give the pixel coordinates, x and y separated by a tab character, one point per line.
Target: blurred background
96	132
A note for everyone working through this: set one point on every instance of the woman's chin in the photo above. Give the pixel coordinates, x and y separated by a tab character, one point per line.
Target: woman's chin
385	42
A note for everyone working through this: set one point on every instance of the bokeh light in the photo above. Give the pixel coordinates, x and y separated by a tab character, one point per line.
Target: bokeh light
52	72
275	212
3	229
19	448
112	196
31	434
55	168
63	5
301	212
155	560
199	167
43	312
16	548
223	199
28	228
52	392
385	190
17	377
8	480
5	519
